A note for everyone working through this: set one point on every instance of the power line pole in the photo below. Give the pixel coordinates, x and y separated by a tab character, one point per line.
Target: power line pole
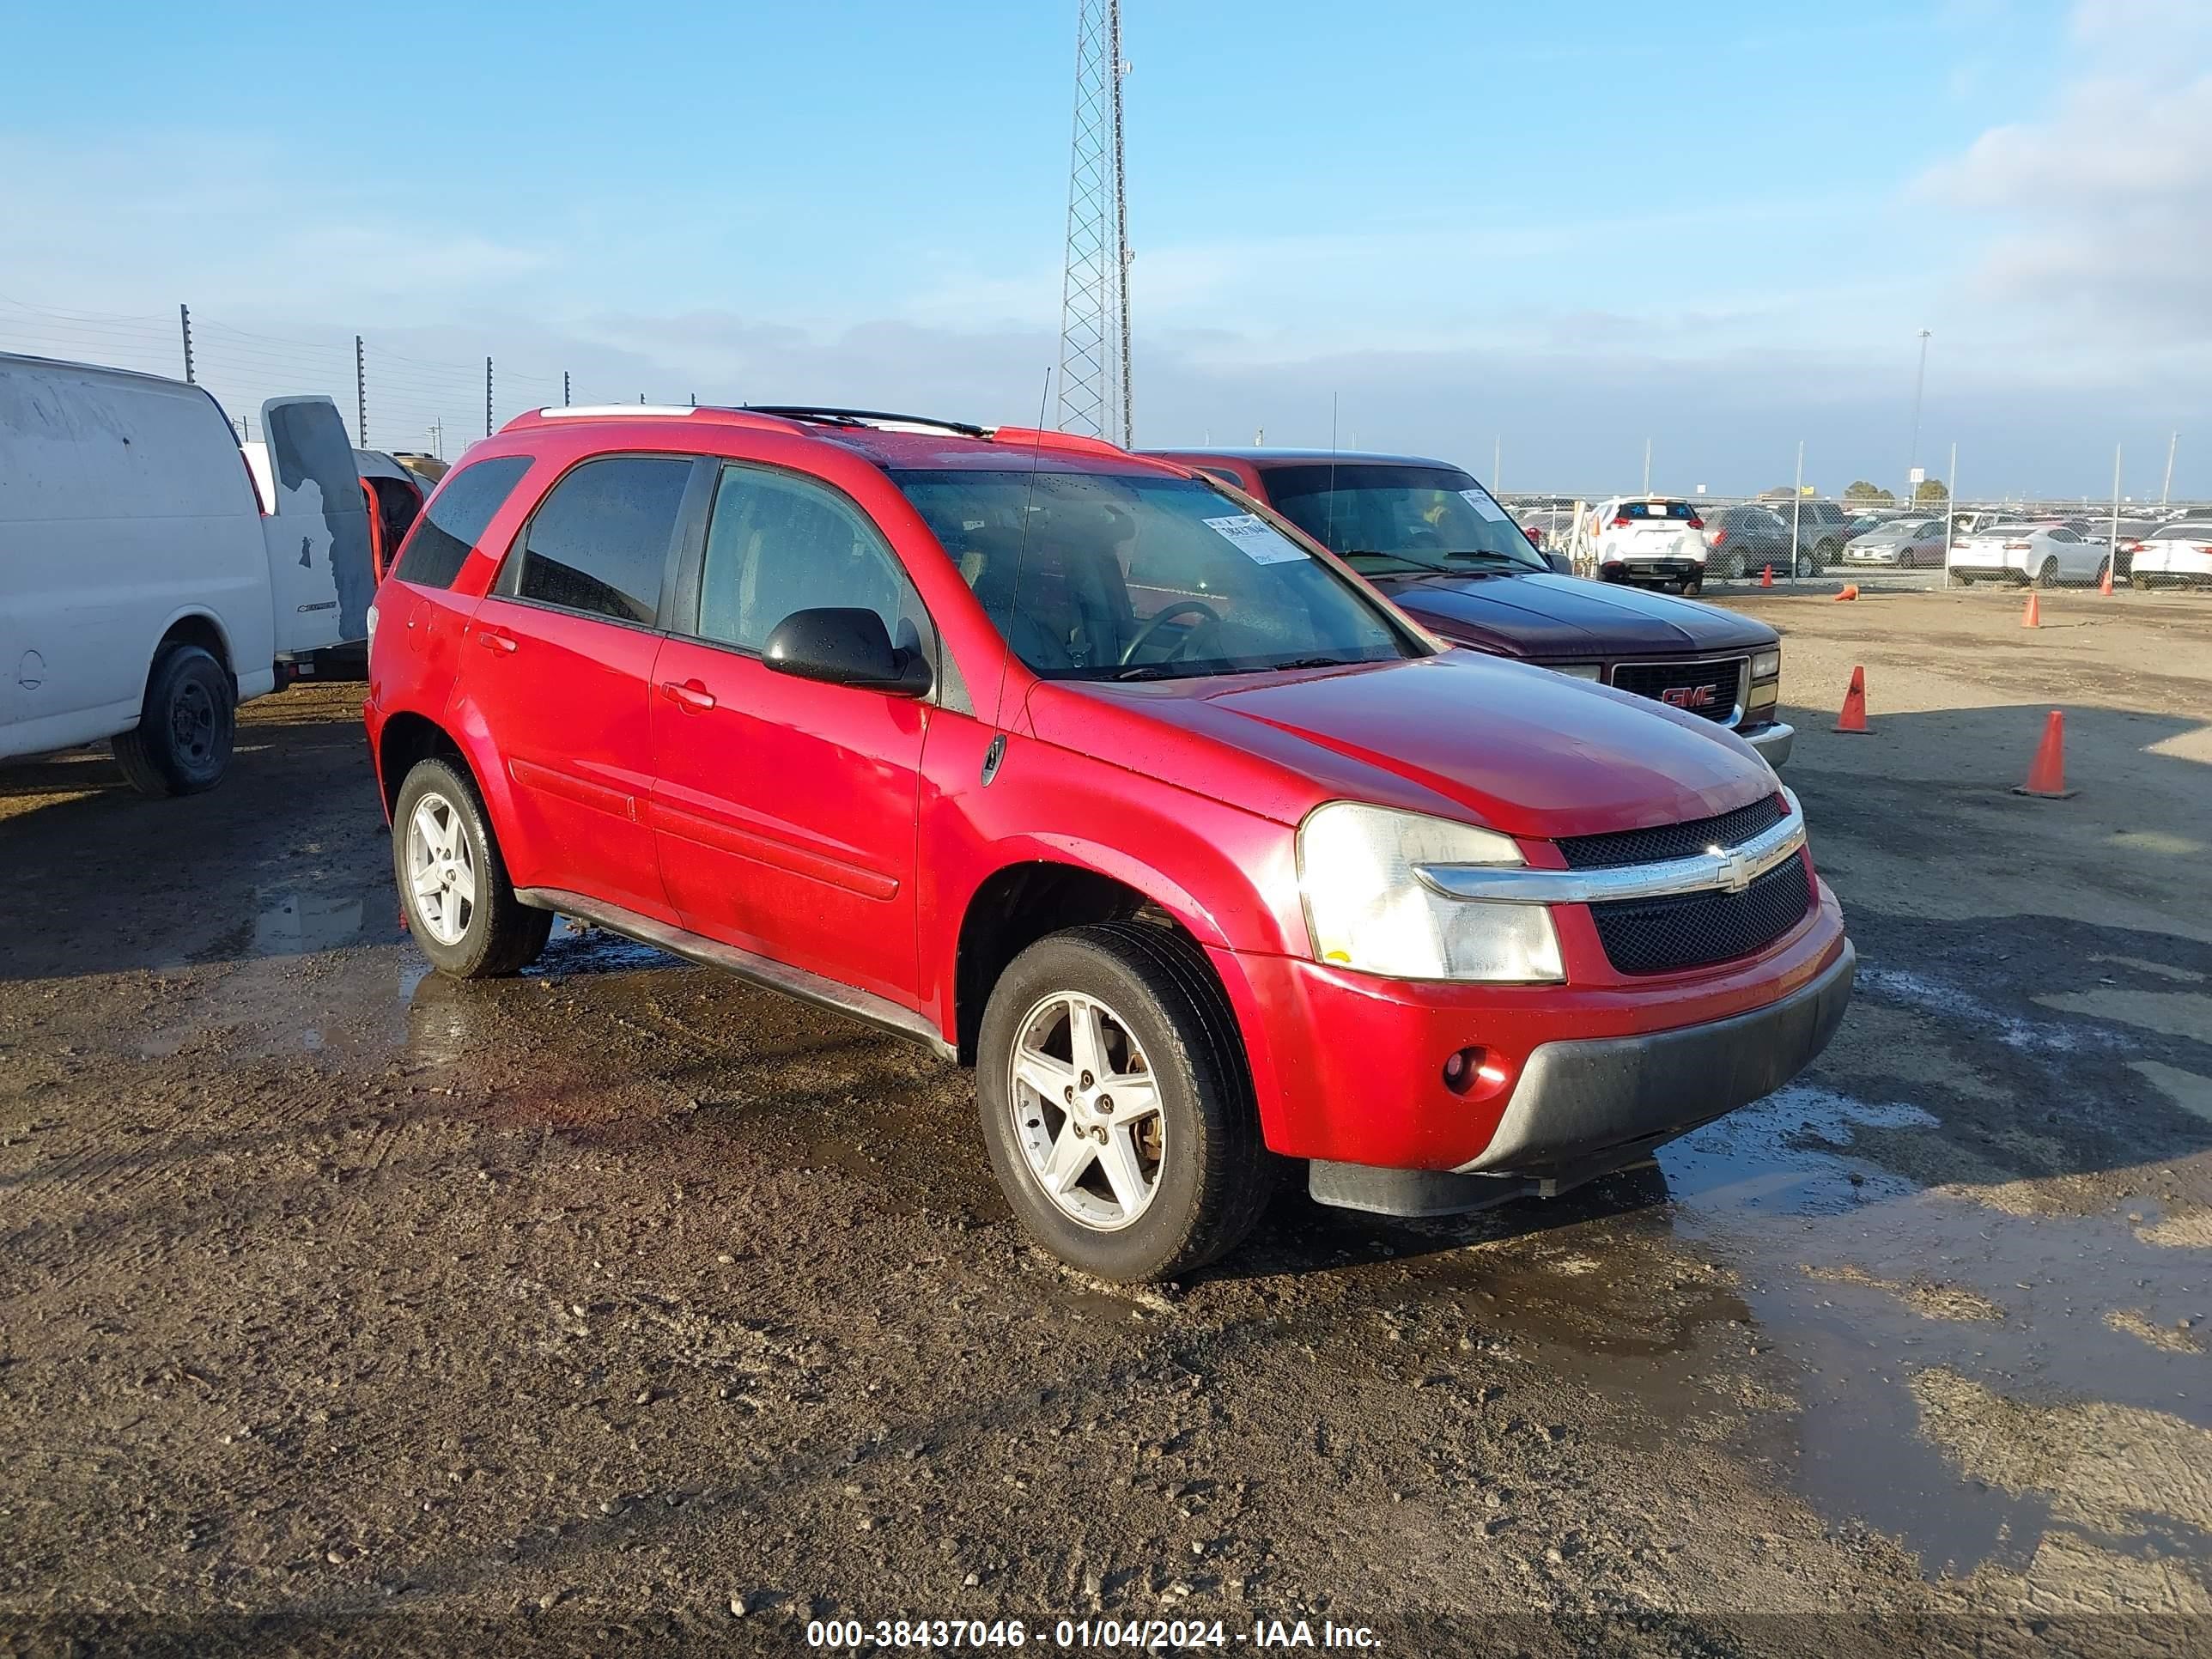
185	320
1647	466
2166	489
486	397
360	394
1094	312
1919	384
564	388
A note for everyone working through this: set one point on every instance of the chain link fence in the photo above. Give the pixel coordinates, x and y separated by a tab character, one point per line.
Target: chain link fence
391	400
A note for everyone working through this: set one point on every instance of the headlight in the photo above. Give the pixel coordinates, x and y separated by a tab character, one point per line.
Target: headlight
1766	664
1581	671
1368	911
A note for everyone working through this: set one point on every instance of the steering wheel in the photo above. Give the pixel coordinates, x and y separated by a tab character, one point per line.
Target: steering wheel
1165	615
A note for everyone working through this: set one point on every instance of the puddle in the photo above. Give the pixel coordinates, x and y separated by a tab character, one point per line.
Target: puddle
292	922
1937	997
577	948
1867	1287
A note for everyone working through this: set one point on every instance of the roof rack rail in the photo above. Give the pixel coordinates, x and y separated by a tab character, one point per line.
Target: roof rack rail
866	417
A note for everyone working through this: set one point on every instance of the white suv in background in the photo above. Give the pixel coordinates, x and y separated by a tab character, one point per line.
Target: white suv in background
1647	541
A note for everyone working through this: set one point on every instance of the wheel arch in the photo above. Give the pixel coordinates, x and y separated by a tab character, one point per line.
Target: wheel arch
193	626
1026	899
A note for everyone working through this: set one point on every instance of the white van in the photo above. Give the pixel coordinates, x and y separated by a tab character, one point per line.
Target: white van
143	593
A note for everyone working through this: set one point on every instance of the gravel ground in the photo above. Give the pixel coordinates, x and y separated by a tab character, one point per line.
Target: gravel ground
620	1307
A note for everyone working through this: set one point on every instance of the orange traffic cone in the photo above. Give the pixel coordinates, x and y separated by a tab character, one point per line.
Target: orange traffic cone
2032	616
1766	577
2104	579
1851	592
1853	718
2046	774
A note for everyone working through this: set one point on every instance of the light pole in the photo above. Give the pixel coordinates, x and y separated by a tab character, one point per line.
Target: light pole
1919	383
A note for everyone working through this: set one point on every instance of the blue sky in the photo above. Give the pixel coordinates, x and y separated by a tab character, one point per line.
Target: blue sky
1560	230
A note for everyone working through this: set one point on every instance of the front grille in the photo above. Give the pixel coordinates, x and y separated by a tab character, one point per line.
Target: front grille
1710	688
1695	930
1672	841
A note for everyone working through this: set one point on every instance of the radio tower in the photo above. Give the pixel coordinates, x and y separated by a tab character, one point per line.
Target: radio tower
1094	302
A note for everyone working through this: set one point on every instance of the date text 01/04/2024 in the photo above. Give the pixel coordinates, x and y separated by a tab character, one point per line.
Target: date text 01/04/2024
1143	1634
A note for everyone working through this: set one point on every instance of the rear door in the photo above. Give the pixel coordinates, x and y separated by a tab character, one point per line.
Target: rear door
785	810
321	567
556	667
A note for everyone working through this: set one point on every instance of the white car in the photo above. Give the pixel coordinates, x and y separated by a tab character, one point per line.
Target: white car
1647	541
2176	554
2043	554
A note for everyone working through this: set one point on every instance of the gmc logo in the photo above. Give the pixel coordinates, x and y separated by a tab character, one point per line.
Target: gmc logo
1690	696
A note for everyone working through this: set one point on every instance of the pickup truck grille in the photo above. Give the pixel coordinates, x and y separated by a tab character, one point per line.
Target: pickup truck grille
1671	840
1712	688
1697	930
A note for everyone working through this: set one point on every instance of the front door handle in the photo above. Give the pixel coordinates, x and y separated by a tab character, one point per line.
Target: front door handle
503	643
688	694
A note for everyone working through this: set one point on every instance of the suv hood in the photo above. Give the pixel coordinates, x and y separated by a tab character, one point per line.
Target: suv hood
1553	619
1461	734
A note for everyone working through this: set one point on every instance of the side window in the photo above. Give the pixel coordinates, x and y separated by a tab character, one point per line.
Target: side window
455	519
2063	534
598	543
779	544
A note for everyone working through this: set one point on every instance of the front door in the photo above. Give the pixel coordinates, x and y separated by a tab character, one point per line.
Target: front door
557	665
786	810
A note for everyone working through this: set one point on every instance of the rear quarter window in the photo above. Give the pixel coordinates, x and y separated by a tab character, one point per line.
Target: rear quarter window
456	519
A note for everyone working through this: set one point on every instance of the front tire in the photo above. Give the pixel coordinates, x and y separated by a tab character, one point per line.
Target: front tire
453	882
1116	1105
182	742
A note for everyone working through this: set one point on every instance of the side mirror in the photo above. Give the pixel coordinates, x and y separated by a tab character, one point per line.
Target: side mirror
846	645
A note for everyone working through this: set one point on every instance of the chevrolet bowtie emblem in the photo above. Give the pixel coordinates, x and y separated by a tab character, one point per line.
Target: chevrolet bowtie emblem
1735	873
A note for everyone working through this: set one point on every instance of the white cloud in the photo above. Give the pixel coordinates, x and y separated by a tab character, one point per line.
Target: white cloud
2098	208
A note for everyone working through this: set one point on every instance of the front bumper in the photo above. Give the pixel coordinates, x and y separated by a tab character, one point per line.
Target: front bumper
1348	1068
1774	741
1627	1095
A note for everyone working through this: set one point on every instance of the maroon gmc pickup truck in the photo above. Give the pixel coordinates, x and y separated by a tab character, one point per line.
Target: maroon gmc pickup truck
1433	539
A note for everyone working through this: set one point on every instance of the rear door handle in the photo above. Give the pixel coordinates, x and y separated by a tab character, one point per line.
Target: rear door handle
502	642
688	694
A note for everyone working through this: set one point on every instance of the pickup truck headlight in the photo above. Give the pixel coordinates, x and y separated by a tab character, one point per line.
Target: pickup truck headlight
1368	911
1581	671
1766	664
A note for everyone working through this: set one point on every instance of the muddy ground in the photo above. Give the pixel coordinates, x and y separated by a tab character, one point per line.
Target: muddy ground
623	1307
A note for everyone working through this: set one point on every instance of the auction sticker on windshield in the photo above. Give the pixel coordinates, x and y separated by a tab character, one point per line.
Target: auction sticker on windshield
1256	539
1482	504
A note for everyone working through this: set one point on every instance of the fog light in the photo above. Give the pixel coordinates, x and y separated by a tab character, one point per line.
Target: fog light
1464	1069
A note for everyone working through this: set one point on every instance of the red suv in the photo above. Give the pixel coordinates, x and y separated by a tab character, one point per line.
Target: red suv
1072	766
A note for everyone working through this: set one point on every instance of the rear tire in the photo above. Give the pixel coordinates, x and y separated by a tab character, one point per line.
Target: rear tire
2047	576
1209	1174
182	742
453	882
1695	585
2140	582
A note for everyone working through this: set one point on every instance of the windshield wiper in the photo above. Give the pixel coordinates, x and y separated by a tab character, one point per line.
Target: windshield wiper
1505	559
1405	559
1160	671
1315	662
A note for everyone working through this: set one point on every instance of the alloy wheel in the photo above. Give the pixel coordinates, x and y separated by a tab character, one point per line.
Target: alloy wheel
441	868
1086	1111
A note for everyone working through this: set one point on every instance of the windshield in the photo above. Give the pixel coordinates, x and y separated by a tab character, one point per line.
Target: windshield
1142	578
1419	516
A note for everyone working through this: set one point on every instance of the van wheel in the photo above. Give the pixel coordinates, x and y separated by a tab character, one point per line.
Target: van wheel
182	742
453	882
1116	1106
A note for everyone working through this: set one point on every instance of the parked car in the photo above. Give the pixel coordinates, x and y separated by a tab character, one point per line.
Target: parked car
1742	539
1072	766
144	595
2126	537
1432	538
1649	542
2176	554
1902	544
2043	554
